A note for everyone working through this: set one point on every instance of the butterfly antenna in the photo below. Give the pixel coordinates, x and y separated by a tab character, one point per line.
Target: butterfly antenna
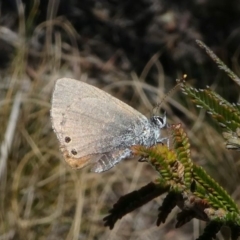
179	82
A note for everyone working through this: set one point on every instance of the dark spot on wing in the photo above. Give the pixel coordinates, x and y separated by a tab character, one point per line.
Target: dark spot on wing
74	152
67	139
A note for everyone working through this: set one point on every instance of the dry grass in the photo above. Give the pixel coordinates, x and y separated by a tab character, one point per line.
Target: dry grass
41	197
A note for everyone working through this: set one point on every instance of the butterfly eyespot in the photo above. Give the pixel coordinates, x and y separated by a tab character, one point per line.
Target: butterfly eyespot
67	139
74	152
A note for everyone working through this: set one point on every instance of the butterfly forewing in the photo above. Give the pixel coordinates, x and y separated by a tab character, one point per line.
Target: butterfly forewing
89	122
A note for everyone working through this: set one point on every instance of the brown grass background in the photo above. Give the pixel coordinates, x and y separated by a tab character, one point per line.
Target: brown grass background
134	51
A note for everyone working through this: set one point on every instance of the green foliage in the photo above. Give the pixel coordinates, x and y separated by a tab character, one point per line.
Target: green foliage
226	114
213	191
188	186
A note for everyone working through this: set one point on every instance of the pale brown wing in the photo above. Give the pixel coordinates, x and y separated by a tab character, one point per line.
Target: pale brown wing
89	122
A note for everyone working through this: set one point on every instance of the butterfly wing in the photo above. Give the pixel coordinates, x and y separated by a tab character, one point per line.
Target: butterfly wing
90	124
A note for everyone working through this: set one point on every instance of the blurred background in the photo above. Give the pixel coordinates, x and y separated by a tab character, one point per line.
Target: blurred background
134	50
